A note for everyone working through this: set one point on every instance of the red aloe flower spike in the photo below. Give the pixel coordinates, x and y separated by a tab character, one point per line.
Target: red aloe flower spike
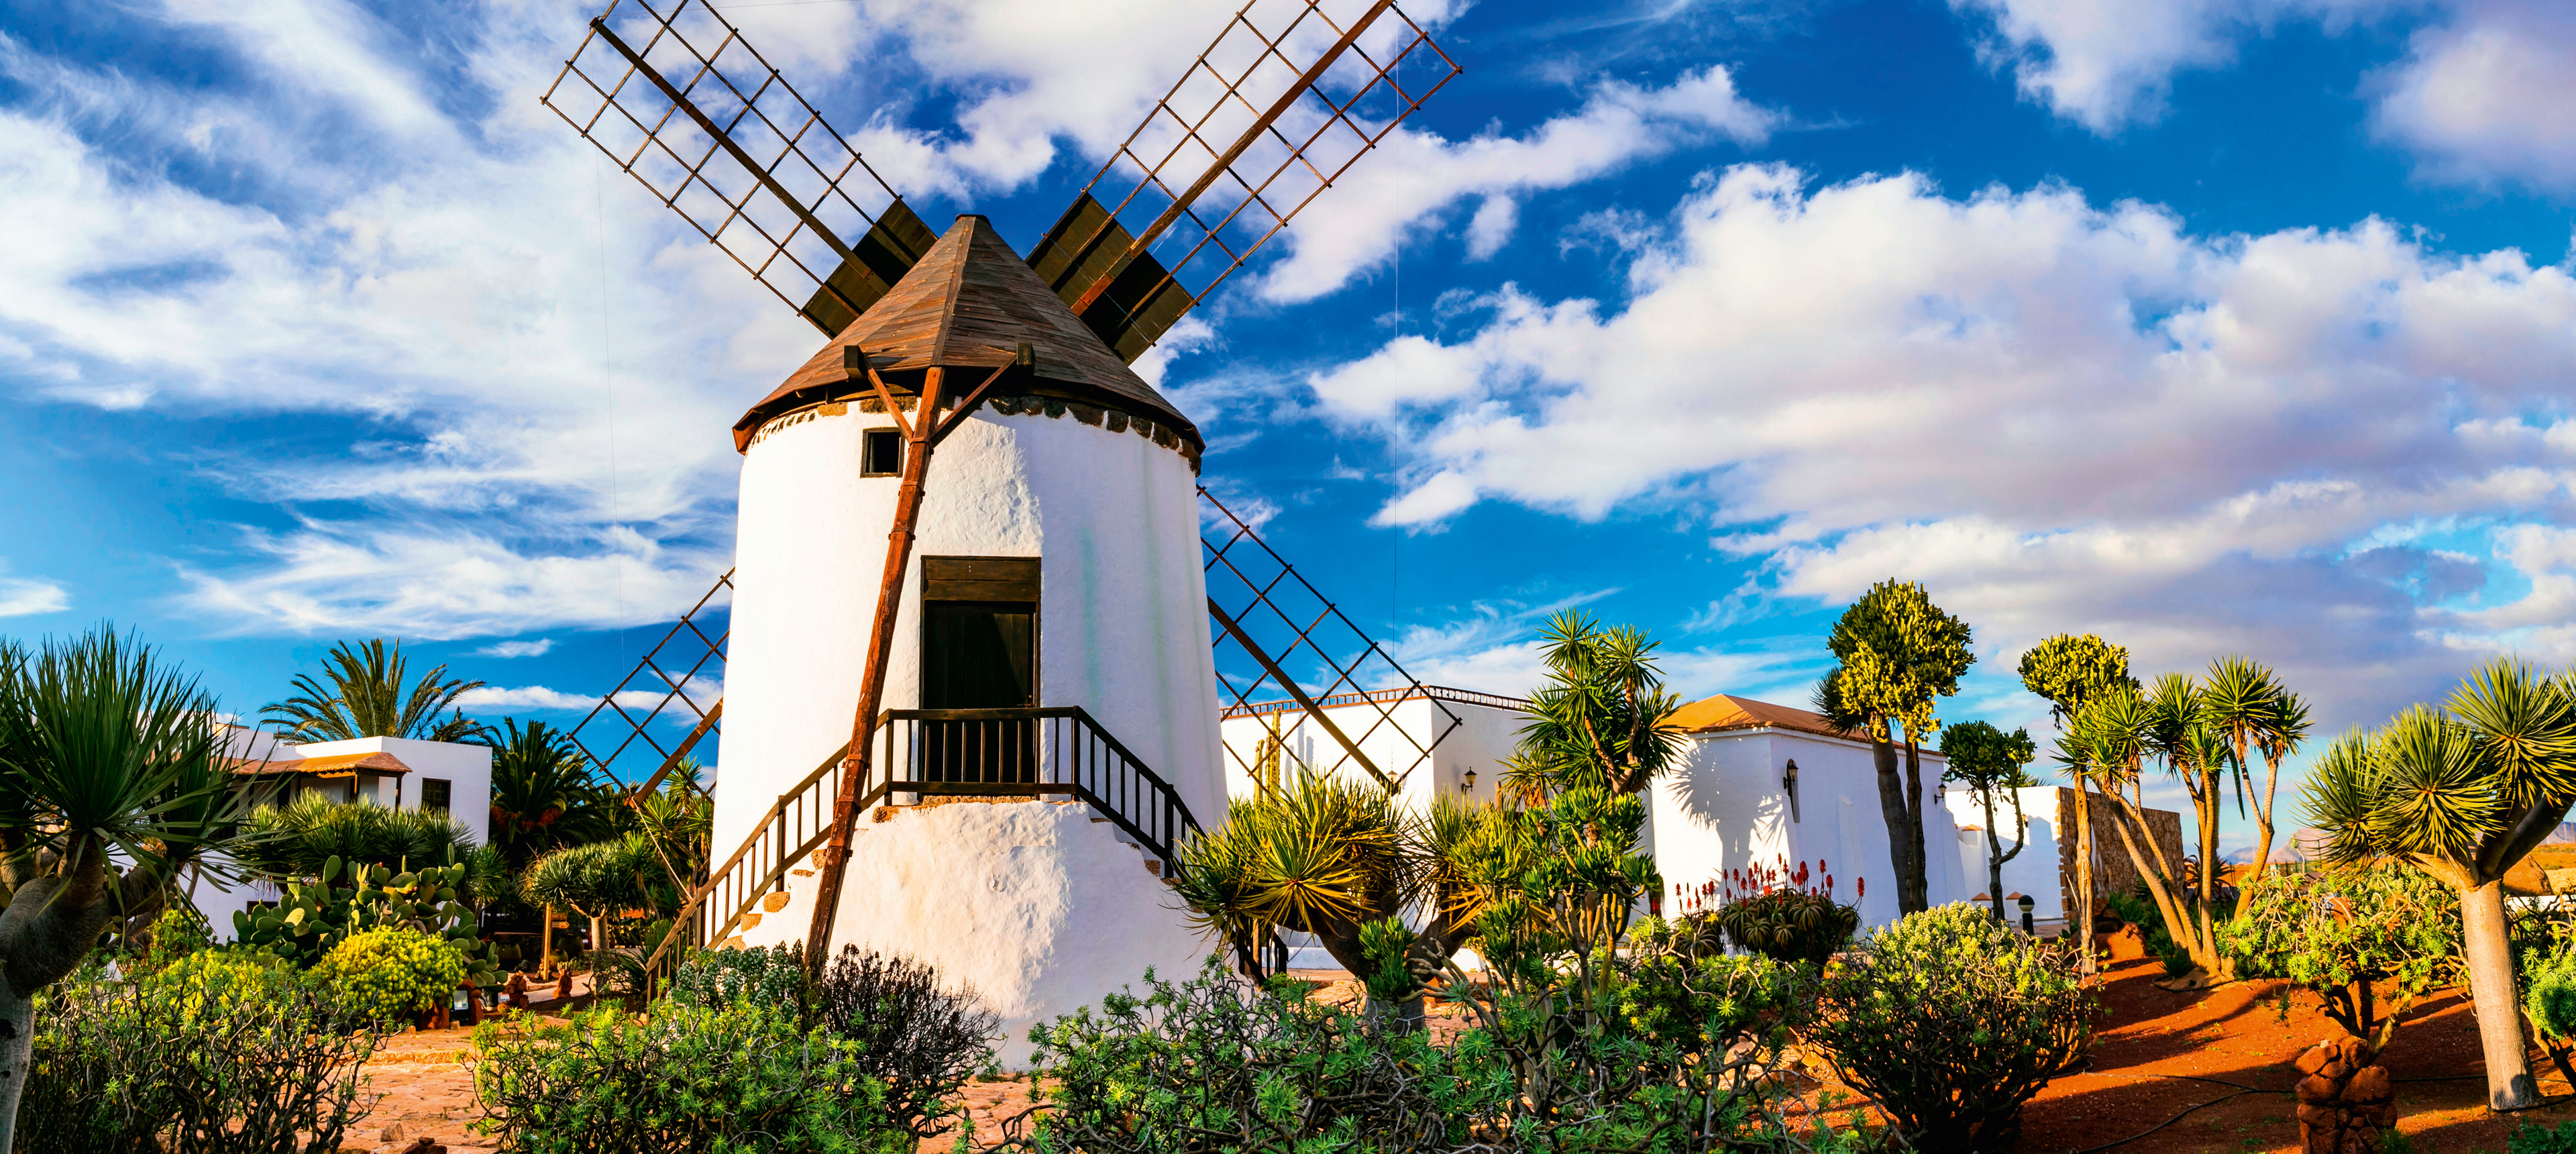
1860	886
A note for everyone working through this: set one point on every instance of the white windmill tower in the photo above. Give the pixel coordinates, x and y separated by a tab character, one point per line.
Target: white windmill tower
968	563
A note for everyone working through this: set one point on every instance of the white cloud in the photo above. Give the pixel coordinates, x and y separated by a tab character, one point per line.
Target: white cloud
1416	176
639	701
2485	93
336	578
2489	96
26	596
536	648
2107	63
2061	416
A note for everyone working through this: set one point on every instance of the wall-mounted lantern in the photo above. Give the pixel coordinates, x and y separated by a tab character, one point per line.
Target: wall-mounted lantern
1469	785
1789	781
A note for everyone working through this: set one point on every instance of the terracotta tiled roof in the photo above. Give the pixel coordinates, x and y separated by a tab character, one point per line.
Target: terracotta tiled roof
969	304
1723	712
335	765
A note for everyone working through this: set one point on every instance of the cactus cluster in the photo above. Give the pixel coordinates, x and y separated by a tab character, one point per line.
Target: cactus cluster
318	915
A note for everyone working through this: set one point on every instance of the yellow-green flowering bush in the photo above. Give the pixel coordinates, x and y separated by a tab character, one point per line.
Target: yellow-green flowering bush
384	974
219	980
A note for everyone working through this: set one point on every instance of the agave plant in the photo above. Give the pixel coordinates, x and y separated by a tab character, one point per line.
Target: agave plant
2463	793
297	838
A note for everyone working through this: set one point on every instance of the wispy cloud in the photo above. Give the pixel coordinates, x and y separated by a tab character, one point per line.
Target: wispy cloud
536	648
27	596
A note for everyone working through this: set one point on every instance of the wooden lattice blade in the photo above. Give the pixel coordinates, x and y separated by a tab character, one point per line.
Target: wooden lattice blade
1139	306
891	247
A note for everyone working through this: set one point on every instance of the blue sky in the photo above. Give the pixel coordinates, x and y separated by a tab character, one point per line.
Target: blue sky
2209	325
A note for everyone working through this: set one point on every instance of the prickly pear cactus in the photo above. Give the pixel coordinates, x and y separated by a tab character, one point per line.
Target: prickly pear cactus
312	917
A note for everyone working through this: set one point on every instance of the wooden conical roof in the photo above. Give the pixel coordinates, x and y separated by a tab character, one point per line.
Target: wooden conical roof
968	305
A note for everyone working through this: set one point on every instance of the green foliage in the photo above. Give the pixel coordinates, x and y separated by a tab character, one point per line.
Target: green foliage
2330	930
760	976
1789	925
318	915
1950	1022
2534	1138
297	839
916	1036
181	930
218	1053
1601	721
385	975
689	1079
2442	785
1554	880
596	880
545	794
1212	1065
1896	652
2068	670
1985	758
2551	997
369	694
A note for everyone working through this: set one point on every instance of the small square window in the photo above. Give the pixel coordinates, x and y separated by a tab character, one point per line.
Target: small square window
880	453
435	793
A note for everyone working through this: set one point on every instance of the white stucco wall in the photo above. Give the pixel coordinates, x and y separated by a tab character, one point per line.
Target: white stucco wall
1122	616
1036	905
2034	870
1724	808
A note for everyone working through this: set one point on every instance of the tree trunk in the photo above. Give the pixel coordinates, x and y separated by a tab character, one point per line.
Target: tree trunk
545	947
2221	968
1914	886
1891	806
2490	964
17	1057
2155	871
1994	856
2080	919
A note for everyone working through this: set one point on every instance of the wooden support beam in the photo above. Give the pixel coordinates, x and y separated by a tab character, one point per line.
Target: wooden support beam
1307	703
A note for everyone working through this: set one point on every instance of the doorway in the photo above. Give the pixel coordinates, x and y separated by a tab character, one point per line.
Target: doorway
979	633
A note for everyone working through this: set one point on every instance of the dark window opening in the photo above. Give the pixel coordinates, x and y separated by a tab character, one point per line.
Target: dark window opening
435	793
979	640
880	453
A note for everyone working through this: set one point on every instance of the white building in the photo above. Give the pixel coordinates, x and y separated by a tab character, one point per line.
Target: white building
1774	786
2038	869
1429	741
388	771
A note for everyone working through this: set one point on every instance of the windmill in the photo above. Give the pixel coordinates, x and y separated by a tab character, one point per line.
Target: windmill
1041	602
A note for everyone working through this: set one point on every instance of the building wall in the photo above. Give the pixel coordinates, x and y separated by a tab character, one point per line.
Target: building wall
1461	736
1725	808
2034	870
1123	628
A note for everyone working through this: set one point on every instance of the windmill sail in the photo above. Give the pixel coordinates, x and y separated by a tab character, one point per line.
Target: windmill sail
672	93
1285	100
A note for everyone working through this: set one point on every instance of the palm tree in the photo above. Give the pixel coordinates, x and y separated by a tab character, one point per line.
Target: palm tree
545	794
369	696
1602	720
2118	730
106	754
2464	794
2250	707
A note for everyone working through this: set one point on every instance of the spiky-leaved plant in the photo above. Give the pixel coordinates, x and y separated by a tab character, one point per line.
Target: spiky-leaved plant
366	691
2463	793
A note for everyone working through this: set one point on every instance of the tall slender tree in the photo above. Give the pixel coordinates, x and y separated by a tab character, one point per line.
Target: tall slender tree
1989	761
1897	653
2066	671
366	691
2253	711
2464	793
112	782
2118	730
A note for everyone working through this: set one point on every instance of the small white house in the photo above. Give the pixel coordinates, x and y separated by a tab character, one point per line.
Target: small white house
389	771
1429	740
1766	785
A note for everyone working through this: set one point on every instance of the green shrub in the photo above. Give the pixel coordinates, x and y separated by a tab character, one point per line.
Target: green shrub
2137	911
687	1080
1789	925
388	974
915	1035
2534	1138
1210	1064
315	916
2366	941
1950	1021
760	975
219	1052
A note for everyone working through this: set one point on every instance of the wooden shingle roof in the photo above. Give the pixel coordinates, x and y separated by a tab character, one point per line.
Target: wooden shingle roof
969	304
